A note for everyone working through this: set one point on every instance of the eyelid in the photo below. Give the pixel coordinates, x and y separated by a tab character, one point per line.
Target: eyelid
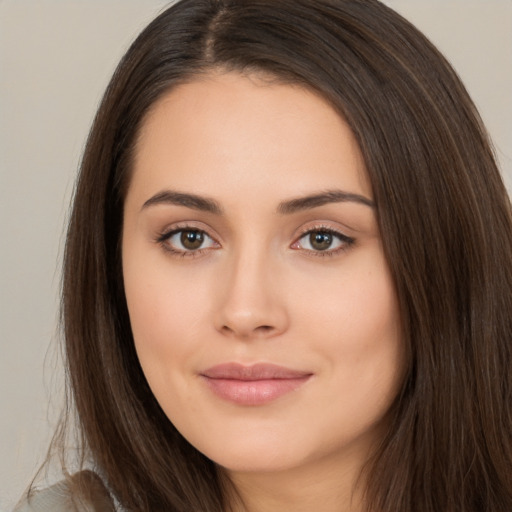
346	241
163	236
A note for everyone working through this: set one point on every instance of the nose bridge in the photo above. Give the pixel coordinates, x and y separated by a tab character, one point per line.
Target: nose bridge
251	303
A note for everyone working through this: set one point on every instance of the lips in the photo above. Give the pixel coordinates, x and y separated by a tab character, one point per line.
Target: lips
257	384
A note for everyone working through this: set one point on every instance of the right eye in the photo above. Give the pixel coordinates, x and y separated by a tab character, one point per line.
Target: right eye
187	241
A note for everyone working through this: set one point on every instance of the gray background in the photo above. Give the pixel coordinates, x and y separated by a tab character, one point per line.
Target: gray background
56	57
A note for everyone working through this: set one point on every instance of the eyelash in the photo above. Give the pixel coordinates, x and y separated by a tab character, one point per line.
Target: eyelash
163	240
346	242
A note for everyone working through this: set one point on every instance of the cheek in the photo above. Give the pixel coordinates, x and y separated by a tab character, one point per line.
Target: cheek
356	307
165	311
355	322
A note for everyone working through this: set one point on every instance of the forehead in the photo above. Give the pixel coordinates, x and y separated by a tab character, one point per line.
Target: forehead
248	132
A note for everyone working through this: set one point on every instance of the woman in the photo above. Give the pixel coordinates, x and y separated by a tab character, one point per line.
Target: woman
288	272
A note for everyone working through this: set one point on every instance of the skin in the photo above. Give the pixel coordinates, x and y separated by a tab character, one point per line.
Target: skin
257	290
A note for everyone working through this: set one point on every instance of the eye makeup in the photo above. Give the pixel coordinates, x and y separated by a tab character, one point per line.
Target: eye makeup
188	240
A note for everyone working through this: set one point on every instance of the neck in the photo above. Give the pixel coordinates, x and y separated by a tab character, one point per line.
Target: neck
323	485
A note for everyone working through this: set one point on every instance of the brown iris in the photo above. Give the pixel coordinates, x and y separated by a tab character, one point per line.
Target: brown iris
320	240
192	240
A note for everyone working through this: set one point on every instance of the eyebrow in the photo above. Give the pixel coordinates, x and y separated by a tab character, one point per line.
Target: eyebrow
205	204
192	201
329	196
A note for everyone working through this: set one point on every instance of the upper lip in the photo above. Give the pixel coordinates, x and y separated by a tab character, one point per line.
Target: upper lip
259	371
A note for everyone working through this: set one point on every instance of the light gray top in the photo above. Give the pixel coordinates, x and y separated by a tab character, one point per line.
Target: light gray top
58	497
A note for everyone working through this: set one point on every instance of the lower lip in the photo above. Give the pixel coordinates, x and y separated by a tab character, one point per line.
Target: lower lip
254	392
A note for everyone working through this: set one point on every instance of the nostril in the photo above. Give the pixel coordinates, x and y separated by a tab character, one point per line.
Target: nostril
226	329
261	330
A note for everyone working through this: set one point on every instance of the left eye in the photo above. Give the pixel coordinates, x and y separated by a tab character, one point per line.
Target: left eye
322	240
188	240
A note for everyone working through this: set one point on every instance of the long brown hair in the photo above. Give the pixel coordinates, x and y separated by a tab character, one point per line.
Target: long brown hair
446	227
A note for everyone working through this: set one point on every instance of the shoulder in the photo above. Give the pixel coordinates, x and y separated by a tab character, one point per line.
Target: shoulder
60	498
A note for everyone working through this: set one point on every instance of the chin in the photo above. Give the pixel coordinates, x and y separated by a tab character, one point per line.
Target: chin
246	451
281	449
271	461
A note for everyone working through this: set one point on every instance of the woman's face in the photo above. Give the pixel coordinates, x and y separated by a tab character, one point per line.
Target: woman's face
263	311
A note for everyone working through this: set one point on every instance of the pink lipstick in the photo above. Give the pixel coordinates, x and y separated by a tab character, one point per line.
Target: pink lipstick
257	384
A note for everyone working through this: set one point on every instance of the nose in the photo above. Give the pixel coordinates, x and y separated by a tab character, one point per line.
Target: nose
250	302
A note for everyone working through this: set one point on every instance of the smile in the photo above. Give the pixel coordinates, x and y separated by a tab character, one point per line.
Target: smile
253	385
